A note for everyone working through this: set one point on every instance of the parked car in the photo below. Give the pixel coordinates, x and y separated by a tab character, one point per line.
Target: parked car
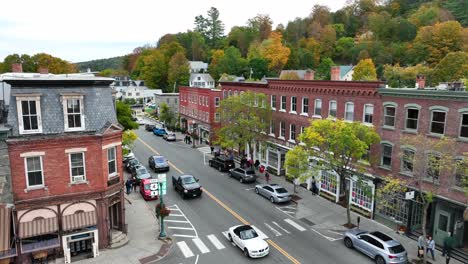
243	175
187	186
140	121
274	192
158	163
377	245
140	173
149	127
247	239
159	131
170	137
130	164
221	163
149	189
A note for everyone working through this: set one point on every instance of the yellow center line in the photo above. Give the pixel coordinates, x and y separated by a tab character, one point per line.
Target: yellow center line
237	216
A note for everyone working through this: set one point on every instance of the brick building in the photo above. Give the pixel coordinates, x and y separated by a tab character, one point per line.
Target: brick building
64	147
197	108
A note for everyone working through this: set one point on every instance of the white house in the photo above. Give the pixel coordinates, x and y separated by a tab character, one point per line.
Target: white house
201	80
198	66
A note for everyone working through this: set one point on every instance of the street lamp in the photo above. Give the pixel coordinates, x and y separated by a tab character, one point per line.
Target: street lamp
162	233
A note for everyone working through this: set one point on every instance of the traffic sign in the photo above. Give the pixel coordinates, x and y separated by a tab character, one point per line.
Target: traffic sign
161	177
163	186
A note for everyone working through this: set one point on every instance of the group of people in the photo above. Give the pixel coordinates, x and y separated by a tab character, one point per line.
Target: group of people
430	246
130	184
188	139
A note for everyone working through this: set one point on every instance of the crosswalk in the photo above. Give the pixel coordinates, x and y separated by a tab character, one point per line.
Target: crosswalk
179	224
205	149
192	246
289	209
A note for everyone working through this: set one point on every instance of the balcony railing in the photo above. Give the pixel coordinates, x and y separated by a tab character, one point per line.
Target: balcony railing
39	245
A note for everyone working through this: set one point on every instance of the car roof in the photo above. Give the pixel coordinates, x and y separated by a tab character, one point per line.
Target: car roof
186	176
381	236
157	156
243	228
276	186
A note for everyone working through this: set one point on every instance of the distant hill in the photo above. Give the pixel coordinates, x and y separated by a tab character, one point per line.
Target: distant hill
101	64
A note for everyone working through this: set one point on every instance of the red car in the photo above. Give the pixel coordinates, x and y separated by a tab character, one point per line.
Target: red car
149	189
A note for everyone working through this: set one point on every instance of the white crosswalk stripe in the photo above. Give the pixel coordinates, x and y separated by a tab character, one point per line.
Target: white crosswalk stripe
294	224
200	245
276	232
185	249
205	149
276	224
214	240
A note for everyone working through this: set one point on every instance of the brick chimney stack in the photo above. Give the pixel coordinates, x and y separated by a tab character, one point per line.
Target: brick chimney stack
43	70
421	81
17	67
309	75
335	73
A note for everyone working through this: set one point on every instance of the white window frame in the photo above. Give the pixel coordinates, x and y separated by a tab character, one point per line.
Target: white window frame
72	180
283	109
412	107
291	130
383	145
65	113
402	161
115	173
364	114
462	112
347	105
330	109
282	132
304	111
28	186
440	109
273	102
19	109
217	117
272	128
388	105
217	101
316	102
293	107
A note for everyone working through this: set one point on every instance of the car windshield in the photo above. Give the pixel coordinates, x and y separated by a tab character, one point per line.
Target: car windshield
147	187
281	190
142	171
159	160
188	180
250	172
396	249
248	234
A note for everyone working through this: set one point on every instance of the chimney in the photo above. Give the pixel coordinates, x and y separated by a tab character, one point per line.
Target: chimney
17	67
309	75
43	70
335	73
420	81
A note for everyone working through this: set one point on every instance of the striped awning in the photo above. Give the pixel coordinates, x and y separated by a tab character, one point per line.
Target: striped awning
79	220
5	219
38	227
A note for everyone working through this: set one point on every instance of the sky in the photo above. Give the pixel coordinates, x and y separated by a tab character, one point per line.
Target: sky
95	29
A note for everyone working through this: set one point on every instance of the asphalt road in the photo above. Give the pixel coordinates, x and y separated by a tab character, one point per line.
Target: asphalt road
197	224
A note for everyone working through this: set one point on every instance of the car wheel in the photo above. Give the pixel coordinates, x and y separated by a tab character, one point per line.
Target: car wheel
241	180
379	260
348	243
230	238
257	191
246	253
272	199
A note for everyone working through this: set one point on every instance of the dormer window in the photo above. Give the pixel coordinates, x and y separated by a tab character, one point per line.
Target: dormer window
29	114
73	111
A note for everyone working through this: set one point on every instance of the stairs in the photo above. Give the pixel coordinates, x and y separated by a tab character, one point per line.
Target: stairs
118	239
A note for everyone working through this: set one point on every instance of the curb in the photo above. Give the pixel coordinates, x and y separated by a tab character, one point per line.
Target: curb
162	253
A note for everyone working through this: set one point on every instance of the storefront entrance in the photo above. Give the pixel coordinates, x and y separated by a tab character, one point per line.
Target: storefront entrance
80	245
114	215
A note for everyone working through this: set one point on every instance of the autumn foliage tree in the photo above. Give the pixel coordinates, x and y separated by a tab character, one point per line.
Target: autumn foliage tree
273	50
365	71
179	71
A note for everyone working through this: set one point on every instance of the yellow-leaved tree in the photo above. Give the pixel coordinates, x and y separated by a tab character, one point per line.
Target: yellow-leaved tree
365	71
273	50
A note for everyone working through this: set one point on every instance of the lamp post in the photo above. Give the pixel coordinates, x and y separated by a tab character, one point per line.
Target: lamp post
162	233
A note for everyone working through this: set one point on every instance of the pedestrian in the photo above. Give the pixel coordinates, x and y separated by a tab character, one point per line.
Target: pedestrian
421	242
256	164
267	177
128	185
249	163
314	186
243	162
212	149
448	246
134	184
430	246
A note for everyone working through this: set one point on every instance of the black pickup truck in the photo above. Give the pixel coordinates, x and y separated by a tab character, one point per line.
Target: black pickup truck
221	163
187	186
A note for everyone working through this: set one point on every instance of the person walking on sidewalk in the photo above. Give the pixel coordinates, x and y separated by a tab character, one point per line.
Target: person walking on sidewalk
128	185
421	242
134	184
267	177
430	246
314	186
448	246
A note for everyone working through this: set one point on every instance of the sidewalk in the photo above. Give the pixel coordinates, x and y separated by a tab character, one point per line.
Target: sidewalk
327	218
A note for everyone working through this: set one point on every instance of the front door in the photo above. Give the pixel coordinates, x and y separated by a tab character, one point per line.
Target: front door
114	216
442	226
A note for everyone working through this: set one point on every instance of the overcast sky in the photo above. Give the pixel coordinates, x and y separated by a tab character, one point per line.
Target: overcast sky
95	29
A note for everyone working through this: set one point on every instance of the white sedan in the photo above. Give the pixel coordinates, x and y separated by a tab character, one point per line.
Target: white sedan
247	239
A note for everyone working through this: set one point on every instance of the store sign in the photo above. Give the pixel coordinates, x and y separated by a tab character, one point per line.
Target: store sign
409	195
154	188
163	182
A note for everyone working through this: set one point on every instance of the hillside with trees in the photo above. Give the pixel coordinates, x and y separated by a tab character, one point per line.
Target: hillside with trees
101	64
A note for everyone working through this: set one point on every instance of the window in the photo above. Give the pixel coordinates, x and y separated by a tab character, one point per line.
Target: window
137	94
412	118
283	103
332	109
217	101
273	102
29	114
328	182
175	100
368	114
293	104
461	173
111	161
292	132
389	116
305	105
318	107
73	109
407	161
77	167
433	167
282	129
438	122
395	207
129	94
359	197
34	172
272	127
387	155
217	117
349	112
464	126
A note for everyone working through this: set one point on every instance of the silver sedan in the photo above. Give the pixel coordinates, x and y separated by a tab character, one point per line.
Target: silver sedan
274	192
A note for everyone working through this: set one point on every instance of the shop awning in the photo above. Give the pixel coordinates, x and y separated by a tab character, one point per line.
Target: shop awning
5	219
79	220
38	227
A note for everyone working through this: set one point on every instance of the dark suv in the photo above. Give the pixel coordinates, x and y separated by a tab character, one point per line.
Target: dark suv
222	163
158	163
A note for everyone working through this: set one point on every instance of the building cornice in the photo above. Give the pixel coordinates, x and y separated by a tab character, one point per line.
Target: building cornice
424	94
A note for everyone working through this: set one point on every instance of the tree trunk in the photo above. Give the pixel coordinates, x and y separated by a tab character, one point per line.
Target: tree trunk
425	207
348	207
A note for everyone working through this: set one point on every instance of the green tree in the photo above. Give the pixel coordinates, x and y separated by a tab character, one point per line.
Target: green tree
54	64
261	24
297	165
259	67
128	140
153	69
243	118
453	67
231	62
241	38
124	116
340	145
400	77
324	68
343	49
211	27
365	71
179	71
167	116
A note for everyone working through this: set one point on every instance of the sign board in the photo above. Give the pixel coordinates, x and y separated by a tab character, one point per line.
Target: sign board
161	177
163	186
409	195
154	188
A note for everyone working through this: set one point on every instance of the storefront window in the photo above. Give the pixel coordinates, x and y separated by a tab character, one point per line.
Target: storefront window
360	197
328	182
394	207
273	158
